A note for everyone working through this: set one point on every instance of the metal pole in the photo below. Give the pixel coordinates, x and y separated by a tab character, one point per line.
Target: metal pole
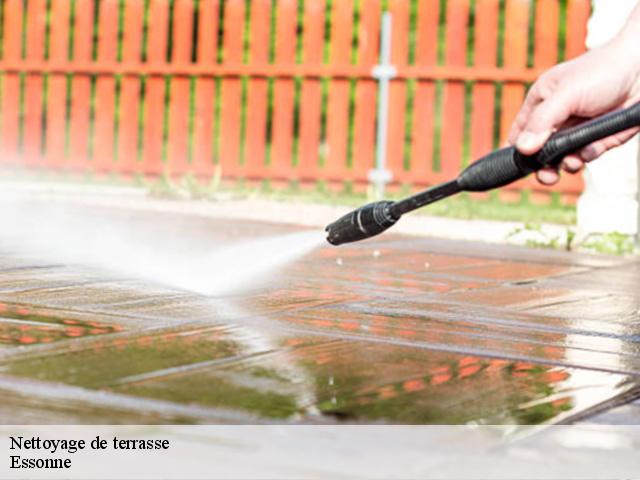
383	72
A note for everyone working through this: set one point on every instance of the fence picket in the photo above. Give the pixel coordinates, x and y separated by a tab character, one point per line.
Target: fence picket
311	93
33	88
12	45
366	90
256	135
546	33
105	99
425	93
128	134
283	102
578	12
454	92
335	168
153	141
486	44
515	56
56	121
208	23
232	89
179	100
81	87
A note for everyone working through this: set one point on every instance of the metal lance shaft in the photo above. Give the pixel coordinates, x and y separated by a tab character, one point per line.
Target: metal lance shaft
425	198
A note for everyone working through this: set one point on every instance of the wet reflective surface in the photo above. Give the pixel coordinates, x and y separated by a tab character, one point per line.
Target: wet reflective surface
22	325
395	330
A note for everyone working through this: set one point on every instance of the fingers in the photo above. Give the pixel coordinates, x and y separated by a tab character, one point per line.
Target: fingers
533	98
520	122
529	143
596	149
575	162
572	164
548	176
543	120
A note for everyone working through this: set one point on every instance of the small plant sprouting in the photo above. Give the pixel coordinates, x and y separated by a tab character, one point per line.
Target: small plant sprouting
614	243
164	187
536	237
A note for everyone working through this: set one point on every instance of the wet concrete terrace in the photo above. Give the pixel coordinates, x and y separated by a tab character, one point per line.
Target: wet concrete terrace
394	330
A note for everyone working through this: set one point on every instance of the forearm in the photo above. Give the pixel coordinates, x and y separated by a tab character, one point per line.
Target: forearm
630	33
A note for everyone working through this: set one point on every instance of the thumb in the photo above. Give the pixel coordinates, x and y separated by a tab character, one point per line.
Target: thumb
543	120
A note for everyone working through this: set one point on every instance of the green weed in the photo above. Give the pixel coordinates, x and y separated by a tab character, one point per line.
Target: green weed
612	243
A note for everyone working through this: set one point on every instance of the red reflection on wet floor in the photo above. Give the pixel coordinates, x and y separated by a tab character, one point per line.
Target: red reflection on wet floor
30	326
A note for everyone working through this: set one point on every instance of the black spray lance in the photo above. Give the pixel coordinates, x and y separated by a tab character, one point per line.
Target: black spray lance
494	170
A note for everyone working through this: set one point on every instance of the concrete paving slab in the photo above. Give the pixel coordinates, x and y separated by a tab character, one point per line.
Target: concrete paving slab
392	330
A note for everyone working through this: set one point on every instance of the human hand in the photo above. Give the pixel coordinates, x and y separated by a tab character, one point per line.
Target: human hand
600	81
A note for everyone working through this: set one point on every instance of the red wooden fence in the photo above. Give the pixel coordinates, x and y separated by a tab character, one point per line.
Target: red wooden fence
270	89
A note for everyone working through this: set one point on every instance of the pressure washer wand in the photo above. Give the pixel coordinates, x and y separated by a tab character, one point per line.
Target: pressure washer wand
494	170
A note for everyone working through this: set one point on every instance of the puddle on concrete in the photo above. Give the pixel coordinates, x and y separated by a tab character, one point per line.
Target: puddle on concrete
300	378
27	325
422	387
134	365
104	363
251	394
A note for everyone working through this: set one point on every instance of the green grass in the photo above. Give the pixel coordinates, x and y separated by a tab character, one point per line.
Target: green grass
465	207
461	206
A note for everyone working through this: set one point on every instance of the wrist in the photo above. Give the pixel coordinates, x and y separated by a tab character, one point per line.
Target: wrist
623	50
625	44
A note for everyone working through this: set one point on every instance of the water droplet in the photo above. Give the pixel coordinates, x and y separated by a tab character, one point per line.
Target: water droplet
376	253
339	262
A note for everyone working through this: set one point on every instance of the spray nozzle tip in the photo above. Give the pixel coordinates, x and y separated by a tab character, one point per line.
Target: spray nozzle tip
365	222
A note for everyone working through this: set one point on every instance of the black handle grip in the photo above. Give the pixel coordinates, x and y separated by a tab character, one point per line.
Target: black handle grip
507	165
